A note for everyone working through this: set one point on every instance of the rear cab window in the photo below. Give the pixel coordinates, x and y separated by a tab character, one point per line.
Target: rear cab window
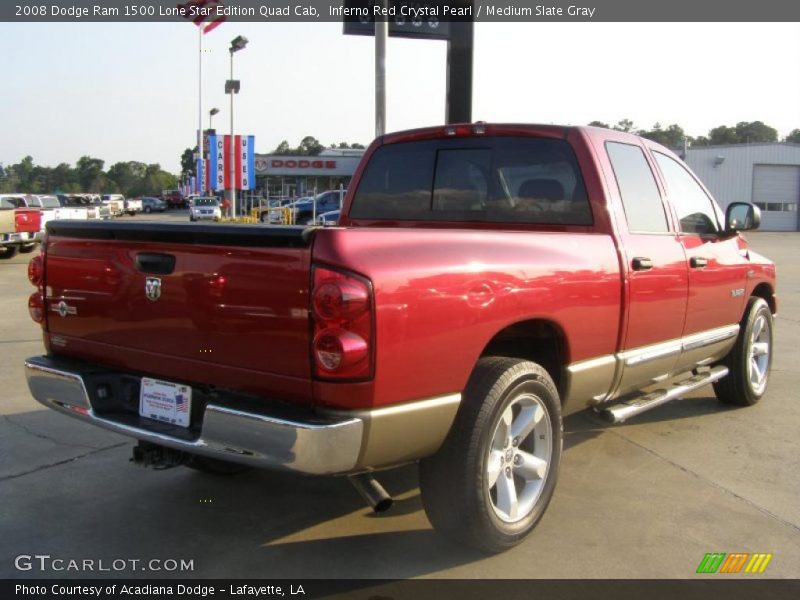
492	179
641	200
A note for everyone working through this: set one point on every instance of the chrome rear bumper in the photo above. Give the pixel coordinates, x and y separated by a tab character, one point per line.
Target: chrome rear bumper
251	438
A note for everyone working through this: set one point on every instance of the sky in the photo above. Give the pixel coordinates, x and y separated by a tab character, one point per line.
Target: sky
130	91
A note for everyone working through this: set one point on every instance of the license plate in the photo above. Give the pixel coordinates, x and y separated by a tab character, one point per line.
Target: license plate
166	402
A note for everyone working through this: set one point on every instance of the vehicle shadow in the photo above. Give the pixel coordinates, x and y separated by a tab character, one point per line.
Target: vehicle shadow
88	501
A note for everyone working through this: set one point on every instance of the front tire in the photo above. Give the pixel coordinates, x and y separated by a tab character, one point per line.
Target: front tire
750	361
492	479
9	251
27	249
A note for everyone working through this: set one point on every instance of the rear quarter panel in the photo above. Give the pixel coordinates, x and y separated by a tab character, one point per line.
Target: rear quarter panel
442	295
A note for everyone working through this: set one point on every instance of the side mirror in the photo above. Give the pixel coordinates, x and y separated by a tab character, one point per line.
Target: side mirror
742	216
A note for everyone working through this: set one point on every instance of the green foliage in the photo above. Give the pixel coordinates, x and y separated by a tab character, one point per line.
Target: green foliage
129	178
672	136
310	146
744	132
188	164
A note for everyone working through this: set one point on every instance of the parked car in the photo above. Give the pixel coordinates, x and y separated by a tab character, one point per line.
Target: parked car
486	281
174	199
304	209
205	209
150	204
328	218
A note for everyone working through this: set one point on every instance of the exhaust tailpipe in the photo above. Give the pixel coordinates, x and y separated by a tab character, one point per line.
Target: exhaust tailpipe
372	492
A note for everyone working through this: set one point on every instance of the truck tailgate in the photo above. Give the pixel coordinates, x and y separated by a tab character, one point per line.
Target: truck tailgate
221	305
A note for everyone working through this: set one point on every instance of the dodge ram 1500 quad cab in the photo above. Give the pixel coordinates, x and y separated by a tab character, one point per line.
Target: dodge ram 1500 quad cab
484	281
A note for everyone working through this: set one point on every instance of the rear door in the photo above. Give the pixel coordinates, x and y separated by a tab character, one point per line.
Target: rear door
656	272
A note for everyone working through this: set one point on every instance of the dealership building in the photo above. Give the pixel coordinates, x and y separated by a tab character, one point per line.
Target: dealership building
294	176
767	175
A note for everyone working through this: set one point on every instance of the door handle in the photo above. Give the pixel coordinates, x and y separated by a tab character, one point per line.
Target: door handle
155	264
640	263
698	262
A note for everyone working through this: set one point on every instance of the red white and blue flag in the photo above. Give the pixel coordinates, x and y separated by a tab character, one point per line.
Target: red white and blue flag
182	402
206	19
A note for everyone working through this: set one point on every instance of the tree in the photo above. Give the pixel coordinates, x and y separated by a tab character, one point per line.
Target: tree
625	125
755	132
743	133
23	172
793	137
671	137
599	124
64	179
310	146
89	170
188	164
283	149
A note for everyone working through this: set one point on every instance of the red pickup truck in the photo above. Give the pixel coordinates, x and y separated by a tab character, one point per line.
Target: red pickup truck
20	227
484	282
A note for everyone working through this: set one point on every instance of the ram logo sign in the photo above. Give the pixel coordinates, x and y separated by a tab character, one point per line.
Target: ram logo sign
736	562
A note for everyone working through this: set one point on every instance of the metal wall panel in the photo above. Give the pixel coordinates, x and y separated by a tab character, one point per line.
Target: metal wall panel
728	171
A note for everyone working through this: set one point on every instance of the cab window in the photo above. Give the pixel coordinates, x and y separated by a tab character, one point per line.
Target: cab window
641	200
695	210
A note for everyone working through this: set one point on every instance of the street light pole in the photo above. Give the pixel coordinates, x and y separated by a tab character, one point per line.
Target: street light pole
211	114
237	43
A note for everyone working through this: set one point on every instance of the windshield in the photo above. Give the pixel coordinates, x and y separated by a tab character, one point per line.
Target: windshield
206	202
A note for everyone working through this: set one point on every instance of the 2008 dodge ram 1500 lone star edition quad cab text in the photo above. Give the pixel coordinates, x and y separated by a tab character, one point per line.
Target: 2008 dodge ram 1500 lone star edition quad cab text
485	281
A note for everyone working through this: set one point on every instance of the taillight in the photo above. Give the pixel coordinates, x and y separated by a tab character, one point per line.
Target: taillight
36	270
36	277
36	307
342	345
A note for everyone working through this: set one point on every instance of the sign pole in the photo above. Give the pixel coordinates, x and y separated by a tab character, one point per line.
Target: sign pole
200	95
458	103
381	34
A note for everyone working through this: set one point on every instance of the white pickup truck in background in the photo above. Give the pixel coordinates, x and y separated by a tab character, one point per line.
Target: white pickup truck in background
133	207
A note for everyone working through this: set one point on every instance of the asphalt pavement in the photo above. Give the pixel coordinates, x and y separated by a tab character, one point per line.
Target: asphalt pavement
644	499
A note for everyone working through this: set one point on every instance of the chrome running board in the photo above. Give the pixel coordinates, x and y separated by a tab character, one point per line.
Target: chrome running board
625	409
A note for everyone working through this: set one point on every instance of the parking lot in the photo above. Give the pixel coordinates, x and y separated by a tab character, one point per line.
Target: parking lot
644	499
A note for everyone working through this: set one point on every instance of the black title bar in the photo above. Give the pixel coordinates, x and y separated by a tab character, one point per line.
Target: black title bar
312	11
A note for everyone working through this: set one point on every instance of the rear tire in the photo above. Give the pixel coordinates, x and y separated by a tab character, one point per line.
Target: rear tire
27	249
749	362
147	209
492	479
